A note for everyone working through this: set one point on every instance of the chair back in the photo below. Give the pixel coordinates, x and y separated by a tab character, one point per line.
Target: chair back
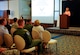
46	36
35	34
12	30
19	42
1	40
8	39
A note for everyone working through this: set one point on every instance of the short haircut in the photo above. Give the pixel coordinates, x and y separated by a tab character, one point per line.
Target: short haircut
2	20
36	23
15	19
27	20
20	21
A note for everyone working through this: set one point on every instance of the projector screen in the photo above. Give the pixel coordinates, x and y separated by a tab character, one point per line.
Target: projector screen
43	10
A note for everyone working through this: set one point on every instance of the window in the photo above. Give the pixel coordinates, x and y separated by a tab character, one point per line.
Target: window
56	9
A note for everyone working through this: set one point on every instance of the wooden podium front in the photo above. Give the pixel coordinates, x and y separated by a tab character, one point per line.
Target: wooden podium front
64	22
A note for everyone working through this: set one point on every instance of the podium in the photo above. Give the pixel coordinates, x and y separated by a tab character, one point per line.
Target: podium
64	22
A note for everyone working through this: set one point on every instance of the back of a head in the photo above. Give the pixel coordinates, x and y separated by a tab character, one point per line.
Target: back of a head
20	22
28	20
36	23
15	19
3	21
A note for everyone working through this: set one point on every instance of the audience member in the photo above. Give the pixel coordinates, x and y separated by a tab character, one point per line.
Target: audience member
3	29
15	24
8	26
25	35
38	27
28	25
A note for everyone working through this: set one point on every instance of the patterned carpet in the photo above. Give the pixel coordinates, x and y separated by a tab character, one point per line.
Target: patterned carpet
67	44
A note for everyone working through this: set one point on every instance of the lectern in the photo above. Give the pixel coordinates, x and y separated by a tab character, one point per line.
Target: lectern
64	22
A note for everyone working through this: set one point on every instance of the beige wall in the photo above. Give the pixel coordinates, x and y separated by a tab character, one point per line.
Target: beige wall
24	9
19	8
14	7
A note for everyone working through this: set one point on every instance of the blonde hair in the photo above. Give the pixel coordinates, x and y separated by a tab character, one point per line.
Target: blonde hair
36	23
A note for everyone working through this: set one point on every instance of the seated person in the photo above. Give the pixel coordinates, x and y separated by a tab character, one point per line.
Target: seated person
28	25
3	29
8	26
25	35
38	28
15	24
